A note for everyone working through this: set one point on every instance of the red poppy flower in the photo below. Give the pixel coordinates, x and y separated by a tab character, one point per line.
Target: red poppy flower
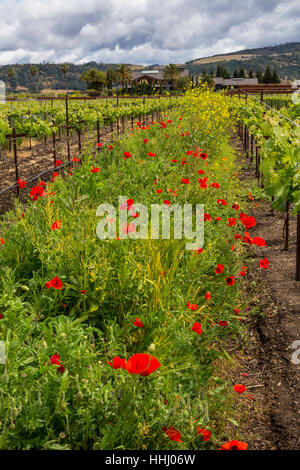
174	160
55	360
110	147
218	218
223	323
203	156
117	363
1	316
142	364
208	295
264	263
138	323
201	172
55	175
185	180
242	273
204	433
95	170
236	311
248	221
197	327
99	144
22	184
192	306
172	433
145	141
222	202
234	445
83	291
55	283
150	154
239	388
231	221
127	204
215	185
207	217
159	191
36	192
230	280
1	241
219	269
58	162
127	155
237	236
235	206
247	238
75	159
167	203
56	225
259	241
189	152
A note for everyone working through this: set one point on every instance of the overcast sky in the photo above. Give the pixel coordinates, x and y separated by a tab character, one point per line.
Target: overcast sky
140	31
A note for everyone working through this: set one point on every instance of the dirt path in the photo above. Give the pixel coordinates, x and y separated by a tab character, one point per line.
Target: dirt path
274	378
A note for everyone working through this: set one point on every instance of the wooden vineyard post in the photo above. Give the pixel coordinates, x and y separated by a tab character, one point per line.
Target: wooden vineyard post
252	139
132	121
287	228
118	126
98	132
68	130
54	145
298	249
16	159
45	137
112	130
79	141
123	125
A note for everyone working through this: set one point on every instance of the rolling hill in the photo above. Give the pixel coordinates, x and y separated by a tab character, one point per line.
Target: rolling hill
285	58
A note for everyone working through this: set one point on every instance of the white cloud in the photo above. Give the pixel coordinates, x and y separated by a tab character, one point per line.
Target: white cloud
140	31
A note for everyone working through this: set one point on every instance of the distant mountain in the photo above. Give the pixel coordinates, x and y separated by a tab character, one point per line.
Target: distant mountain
285	58
50	76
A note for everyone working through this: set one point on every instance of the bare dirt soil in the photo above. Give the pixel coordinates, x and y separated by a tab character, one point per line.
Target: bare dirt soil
273	420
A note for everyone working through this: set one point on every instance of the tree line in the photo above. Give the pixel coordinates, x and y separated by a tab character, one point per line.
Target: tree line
266	76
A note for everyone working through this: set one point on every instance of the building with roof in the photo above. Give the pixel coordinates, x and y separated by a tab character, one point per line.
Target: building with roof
221	83
156	78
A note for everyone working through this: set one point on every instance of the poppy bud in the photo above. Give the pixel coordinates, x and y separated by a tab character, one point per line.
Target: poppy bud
79	395
25	288
151	348
12	426
14	412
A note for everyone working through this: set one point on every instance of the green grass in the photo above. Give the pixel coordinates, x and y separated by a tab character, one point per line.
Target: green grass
91	405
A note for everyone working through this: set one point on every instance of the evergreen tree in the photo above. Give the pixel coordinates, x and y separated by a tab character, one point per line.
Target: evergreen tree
275	77
251	74
219	72
242	72
268	77
259	76
235	74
